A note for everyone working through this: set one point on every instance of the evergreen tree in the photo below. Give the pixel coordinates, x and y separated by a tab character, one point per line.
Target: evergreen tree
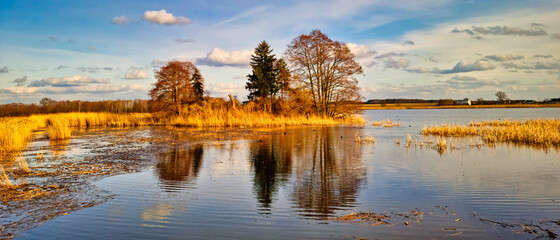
198	85
262	83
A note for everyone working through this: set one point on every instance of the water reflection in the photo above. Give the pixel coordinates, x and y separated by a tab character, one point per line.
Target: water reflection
325	164
58	148
271	161
179	166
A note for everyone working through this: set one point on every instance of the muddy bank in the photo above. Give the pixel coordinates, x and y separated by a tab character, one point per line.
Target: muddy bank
57	177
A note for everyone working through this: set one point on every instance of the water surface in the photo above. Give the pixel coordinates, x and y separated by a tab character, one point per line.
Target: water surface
295	182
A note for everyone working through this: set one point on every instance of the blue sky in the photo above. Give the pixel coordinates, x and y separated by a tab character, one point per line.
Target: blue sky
93	50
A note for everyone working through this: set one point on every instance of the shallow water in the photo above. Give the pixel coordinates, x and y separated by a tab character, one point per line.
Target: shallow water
294	183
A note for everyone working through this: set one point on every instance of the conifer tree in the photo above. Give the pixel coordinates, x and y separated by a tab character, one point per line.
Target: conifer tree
198	85
262	82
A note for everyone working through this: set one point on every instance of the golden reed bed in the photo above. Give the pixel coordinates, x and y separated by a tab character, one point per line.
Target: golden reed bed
16	132
542	133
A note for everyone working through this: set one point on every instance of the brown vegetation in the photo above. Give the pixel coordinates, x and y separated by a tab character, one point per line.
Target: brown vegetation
178	83
15	132
543	133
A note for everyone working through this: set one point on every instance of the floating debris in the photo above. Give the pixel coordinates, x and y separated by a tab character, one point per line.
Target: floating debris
364	217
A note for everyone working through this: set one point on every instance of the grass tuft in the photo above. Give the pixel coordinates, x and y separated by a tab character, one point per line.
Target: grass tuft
4	179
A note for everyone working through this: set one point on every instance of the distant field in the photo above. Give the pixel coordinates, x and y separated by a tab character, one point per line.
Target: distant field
435	106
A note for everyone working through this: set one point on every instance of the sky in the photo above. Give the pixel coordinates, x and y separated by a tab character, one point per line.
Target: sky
431	49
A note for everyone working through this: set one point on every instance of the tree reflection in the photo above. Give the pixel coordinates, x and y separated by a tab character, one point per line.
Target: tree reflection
179	166
271	162
331	173
324	166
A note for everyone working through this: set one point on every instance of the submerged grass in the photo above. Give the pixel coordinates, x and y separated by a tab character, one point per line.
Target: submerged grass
542	133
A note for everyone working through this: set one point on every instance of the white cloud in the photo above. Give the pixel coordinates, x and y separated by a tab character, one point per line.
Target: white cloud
419	70
360	51
397	64
76	80
136	74
20	81
184	40
502	30
19	90
120	20
219	57
162	17
503	57
223	89
389	55
464	66
535	65
408	42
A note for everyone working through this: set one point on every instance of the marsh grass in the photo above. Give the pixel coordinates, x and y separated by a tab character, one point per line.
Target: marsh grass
207	116
40	155
388	123
441	145
58	128
368	139
4	179
16	132
541	133
22	163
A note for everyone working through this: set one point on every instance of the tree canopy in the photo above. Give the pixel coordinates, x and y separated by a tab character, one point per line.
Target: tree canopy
177	83
327	68
262	81
502	96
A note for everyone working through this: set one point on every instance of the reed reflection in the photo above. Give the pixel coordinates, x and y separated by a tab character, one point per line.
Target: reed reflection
179	166
58	147
324	166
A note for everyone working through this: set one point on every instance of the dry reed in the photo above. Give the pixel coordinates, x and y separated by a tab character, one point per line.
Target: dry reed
4	179
197	116
542	133
388	123
369	139
40	155
58	128
16	132
23	164
441	145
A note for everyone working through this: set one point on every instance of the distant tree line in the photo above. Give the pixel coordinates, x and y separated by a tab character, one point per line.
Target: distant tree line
398	100
47	105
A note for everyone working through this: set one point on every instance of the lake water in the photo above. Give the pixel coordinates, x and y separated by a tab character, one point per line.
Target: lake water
294	183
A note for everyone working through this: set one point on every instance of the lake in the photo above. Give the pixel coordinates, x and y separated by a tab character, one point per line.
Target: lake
293	183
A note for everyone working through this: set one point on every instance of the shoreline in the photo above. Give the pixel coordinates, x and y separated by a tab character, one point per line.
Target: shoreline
400	106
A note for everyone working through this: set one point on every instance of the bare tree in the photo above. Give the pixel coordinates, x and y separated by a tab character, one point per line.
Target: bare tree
174	86
327	68
502	96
